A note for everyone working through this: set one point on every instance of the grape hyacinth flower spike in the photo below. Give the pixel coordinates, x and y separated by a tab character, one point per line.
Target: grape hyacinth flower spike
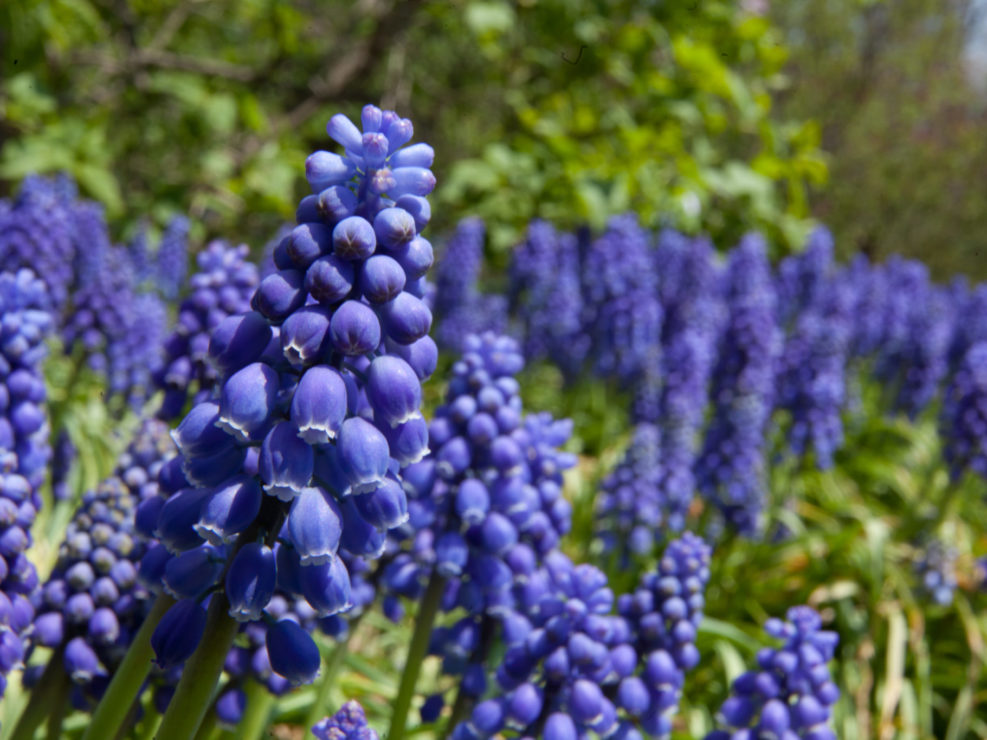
791	694
730	468
222	287
318	399
25	323
349	723
94	596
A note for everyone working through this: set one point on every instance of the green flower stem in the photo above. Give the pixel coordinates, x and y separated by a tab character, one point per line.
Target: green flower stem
333	664
58	703
129	677
39	706
208	727
260	702
149	723
201	673
424	620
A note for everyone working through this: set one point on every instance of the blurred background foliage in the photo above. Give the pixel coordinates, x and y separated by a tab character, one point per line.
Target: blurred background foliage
717	116
565	109
899	91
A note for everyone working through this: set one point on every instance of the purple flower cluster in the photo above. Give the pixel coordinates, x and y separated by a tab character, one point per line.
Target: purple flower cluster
730	469
349	723
118	331
791	694
92	604
971	307
691	303
36	233
572	666
492	488
870	291
936	571
926	351
319	403
547	297
25	323
630	510
459	306
621	307
811	374
964	415
172	258
804	278
907	283
564	646
222	287
664	613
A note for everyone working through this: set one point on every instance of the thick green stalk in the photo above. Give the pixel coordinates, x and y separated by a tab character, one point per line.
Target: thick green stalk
260	702
59	702
149	723
201	674
208	727
424	620
129	677
39	706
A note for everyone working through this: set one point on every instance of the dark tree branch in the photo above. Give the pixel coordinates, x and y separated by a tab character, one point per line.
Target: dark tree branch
143	59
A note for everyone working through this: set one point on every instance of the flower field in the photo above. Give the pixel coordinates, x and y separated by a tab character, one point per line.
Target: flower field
634	485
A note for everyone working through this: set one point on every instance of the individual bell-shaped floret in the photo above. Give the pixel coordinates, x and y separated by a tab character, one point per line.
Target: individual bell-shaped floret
326	587
314	526
189	574
330	279
335	203
250	581
354	239
230	706
359	536
586	702
386	507
307	242
292	652
279	294
394	227
382	278
104	627
560	726
178	517
286	462
318	405
393	390
354	329
451	554
178	633
408	442
247	401
305	336
363	454
198	433
229	509
81	662
49	629
406	319
323	169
